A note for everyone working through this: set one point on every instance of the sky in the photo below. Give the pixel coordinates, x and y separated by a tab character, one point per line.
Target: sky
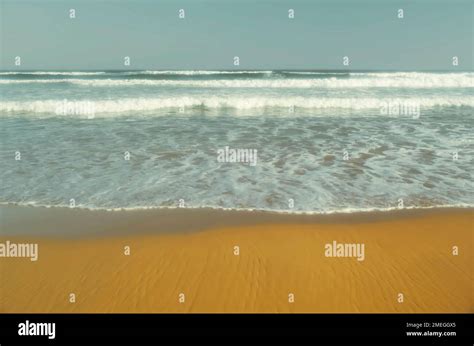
259	32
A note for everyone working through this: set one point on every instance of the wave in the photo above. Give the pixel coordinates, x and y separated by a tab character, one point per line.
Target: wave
265	210
172	73
329	83
90	107
246	79
42	77
201	72
166	72
50	73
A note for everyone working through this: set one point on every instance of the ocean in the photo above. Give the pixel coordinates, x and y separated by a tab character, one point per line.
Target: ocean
324	141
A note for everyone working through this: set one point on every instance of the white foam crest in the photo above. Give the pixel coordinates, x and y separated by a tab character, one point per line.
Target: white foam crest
52	73
198	72
413	75
149	104
149	72
328	211
422	82
315	73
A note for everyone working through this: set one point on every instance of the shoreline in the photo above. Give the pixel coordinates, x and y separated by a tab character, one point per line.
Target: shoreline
51	221
408	252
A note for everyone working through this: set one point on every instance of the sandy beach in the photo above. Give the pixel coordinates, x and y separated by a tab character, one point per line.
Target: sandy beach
228	261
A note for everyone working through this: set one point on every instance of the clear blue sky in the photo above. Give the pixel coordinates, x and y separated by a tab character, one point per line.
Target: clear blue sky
214	31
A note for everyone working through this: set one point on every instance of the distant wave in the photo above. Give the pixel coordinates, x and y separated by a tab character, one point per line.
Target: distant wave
432	82
197	74
246	79
48	73
167	72
235	102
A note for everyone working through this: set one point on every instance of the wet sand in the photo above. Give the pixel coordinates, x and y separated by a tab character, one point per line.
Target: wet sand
186	261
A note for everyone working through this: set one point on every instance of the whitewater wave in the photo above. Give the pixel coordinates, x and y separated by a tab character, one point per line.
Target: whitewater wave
200	72
329	211
143	104
134	72
51	73
432	82
252	79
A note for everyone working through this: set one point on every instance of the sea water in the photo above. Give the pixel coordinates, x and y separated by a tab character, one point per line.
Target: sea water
324	141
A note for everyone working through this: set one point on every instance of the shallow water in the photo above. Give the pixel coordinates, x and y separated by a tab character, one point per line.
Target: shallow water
328	141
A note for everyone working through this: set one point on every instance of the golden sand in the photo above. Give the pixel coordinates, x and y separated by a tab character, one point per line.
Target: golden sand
411	255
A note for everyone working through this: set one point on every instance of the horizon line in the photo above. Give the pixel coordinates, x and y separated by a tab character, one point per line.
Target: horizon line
234	70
